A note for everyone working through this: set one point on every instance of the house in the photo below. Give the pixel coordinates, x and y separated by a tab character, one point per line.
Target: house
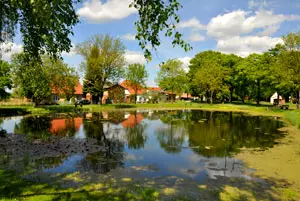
274	99
115	93
130	92
58	96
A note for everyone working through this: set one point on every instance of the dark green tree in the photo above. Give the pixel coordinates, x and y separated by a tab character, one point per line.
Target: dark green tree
45	25
36	79
5	79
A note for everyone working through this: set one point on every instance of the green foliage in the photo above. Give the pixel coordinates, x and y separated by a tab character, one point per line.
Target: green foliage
104	62
210	78
289	58
45	25
5	79
136	76
155	17
36	79
172	76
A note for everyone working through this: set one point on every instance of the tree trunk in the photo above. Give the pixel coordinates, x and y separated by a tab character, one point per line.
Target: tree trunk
211	97
100	97
258	93
298	100
231	94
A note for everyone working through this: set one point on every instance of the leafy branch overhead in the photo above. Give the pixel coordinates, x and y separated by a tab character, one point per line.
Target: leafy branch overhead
45	25
156	16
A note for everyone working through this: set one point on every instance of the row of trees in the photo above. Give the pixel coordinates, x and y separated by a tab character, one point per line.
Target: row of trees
104	65
221	77
35	79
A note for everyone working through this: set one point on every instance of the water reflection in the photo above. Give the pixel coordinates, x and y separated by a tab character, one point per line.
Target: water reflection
195	144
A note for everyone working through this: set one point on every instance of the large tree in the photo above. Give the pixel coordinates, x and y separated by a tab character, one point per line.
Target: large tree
136	75
45	25
290	61
256	68
104	62
36	80
210	78
5	79
172	76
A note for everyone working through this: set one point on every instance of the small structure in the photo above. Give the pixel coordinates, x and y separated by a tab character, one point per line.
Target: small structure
275	101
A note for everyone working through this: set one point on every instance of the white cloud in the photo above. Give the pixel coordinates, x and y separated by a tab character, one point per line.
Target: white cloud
191	23
195	37
8	49
96	11
258	4
186	63
243	46
134	57
241	22
269	30
128	36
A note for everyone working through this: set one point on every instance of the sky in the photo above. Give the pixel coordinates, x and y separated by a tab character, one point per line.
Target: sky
241	27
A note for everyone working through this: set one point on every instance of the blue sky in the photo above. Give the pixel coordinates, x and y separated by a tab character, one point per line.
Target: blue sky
230	26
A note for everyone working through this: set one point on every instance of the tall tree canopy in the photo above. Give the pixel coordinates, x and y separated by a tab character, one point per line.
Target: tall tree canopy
5	79
45	25
290	61
104	62
210	78
136	75
172	76
36	79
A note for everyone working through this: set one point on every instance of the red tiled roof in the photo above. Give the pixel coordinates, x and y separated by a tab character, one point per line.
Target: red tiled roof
78	90
132	120
127	85
154	89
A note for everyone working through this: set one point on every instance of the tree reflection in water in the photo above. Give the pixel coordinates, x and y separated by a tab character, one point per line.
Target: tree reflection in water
112	157
135	131
216	133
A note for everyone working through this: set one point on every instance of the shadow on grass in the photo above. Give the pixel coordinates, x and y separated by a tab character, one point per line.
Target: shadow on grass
225	189
5	112
123	106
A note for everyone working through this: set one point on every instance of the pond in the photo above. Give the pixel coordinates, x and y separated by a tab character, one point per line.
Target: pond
193	144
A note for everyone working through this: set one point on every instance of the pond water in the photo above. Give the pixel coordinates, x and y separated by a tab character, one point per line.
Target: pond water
189	144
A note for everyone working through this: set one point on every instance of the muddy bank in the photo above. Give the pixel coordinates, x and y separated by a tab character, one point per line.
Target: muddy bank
18	147
280	164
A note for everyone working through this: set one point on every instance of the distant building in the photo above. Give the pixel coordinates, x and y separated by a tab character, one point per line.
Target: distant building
274	99
57	95
130	92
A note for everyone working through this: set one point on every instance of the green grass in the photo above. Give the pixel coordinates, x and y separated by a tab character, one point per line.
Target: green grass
12	187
